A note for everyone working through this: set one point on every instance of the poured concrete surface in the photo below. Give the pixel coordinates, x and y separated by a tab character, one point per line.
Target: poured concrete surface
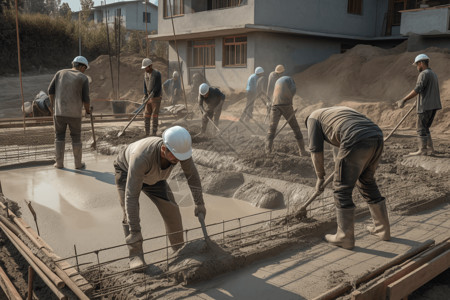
82	208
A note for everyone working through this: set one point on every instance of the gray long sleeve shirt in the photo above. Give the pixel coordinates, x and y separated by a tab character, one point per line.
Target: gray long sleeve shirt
142	161
427	87
213	99
284	91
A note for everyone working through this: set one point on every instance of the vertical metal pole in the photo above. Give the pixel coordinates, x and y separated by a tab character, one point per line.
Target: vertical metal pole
167	251
30	282
109	47
76	257
146	31
19	62
119	17
223	231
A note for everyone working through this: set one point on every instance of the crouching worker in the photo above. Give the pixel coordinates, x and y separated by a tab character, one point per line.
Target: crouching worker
213	99
145	166
360	144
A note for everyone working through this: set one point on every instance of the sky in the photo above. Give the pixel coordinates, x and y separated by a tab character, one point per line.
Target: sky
75	4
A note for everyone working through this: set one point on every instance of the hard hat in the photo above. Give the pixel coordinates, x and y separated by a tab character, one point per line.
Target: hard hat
81	60
259	70
203	89
178	141
146	62
175	74
420	57
279	69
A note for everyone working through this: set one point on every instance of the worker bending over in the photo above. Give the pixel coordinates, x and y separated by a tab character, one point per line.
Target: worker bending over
210	102
360	144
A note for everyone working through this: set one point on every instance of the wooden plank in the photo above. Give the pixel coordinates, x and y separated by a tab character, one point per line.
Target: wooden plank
377	288
8	287
411	282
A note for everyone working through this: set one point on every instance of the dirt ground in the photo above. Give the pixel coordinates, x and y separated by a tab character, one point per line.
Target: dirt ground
410	184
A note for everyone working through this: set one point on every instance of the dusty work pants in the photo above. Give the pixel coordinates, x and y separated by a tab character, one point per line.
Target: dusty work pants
212	112
248	111
61	124
161	195
286	111
357	166
424	121
152	111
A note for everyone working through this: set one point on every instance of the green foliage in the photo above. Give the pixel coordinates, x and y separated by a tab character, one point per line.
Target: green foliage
47	42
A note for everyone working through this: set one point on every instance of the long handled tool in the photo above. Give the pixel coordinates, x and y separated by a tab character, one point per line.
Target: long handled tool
220	133
301	213
34	214
401	121
201	219
135	115
94	143
285	123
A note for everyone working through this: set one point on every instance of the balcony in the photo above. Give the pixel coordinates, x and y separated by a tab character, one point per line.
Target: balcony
430	21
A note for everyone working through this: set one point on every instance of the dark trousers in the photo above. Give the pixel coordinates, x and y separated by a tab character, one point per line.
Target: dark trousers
61	124
424	121
286	111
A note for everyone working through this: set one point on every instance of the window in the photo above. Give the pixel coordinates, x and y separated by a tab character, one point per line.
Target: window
146	17
224	3
354	7
398	5
176	5
235	51
203	53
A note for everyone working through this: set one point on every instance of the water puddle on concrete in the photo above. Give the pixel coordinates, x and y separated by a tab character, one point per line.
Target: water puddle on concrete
81	207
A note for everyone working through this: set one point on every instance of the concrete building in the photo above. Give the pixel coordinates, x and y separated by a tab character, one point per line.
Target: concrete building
426	26
226	40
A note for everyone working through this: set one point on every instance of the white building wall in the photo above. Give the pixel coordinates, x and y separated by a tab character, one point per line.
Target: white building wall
425	22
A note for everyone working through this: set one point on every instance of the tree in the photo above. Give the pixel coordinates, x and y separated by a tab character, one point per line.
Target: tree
65	11
52	6
35	6
86	6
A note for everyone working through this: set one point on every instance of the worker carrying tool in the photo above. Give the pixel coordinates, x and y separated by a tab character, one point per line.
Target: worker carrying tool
273	77
427	87
145	166
360	143
172	88
283	94
252	93
210	102
69	92
152	87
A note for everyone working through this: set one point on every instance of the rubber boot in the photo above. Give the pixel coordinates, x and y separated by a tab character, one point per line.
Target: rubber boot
77	154
147	126
269	146
59	154
430	145
422	147
301	148
204	124
345	235
154	126
381	227
136	252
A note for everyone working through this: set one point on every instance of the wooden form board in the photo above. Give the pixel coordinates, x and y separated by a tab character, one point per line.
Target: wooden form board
411	282
7	287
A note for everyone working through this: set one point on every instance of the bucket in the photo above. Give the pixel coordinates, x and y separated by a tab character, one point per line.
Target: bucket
119	106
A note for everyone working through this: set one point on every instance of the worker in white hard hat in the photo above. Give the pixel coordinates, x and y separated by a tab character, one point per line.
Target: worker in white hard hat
145	166
252	93
429	101
282	105
152	90
69	92
172	88
210	101
273	77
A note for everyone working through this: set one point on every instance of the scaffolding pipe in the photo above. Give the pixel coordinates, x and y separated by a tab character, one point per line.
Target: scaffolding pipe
19	62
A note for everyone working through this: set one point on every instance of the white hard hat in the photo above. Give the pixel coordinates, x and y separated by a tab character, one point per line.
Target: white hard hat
259	70
279	69
81	60
175	74
203	89
146	62
420	57
178	140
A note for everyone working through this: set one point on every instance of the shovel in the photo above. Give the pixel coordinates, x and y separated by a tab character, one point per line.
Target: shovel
301	213
201	219
94	143
135	115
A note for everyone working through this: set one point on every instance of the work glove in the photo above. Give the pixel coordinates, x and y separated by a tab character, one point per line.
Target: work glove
401	103
133	237
200	209
319	185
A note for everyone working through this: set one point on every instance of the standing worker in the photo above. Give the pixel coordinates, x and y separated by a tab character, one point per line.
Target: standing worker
273	77
360	144
69	92
252	93
172	88
213	98
282	106
152	89
427	87
145	166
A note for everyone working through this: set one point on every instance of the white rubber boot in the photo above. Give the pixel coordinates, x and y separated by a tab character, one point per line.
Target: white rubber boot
136	252
77	154
422	147
345	235
59	154
381	226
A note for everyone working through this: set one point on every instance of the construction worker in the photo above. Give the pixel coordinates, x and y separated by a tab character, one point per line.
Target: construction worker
197	80
172	88
145	166
213	98
69	92
427	87
252	93
273	77
152	89
282	106
360	144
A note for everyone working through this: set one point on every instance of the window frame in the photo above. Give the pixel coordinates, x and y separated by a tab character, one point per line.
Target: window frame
355	7
166	8
211	62
225	54
149	17
396	15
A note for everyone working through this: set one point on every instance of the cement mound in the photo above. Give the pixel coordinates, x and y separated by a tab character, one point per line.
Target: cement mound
260	195
222	184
